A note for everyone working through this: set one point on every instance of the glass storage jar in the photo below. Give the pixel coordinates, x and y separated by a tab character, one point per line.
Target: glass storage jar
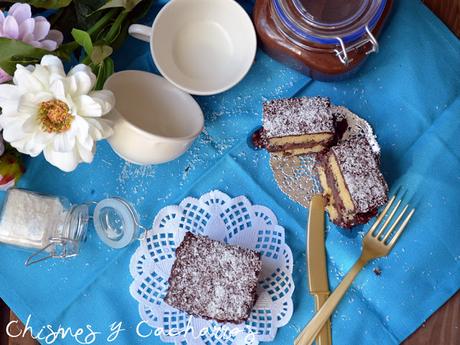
325	39
55	227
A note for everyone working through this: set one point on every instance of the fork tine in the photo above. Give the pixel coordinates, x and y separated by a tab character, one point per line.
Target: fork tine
381	215
401	228
392	213
388	234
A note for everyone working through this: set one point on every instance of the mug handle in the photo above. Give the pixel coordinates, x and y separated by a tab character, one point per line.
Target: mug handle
141	32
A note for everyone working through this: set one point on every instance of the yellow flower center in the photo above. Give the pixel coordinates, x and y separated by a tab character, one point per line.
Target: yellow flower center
54	116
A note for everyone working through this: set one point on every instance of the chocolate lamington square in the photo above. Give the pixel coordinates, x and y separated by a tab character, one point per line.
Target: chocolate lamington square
297	126
351	179
214	280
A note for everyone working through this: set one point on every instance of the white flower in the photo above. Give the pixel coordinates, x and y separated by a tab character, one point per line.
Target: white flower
54	113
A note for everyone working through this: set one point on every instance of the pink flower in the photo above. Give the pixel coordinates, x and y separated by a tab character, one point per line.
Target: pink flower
19	25
4	77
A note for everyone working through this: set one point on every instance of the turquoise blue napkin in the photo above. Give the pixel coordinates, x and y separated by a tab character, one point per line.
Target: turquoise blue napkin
409	92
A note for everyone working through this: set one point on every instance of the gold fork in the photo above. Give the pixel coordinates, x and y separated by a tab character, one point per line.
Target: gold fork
374	246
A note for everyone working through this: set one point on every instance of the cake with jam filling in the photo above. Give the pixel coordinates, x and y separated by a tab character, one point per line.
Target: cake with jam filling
214	280
298	126
351	179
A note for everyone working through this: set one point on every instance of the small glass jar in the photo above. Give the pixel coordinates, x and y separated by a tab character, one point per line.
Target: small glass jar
55	227
325	39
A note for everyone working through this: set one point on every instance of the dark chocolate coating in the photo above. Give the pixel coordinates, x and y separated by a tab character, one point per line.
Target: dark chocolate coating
297	116
214	280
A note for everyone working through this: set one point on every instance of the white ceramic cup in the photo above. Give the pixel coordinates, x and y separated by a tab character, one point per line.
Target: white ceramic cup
203	47
154	122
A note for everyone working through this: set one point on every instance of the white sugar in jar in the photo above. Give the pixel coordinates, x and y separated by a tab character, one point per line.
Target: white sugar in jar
31	220
56	228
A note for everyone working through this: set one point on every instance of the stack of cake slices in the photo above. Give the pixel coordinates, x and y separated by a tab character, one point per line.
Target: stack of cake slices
348	168
351	179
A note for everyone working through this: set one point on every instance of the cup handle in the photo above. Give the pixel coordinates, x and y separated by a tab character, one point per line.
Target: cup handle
141	32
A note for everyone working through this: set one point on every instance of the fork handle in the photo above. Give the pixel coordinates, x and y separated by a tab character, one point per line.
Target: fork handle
309	333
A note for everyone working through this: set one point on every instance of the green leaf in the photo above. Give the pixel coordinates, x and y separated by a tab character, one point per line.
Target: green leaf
115	29
128	5
100	53
83	39
105	70
54	4
14	52
110	67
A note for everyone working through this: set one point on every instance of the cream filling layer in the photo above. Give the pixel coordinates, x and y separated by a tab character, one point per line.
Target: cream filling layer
300	139
303	150
342	189
330	207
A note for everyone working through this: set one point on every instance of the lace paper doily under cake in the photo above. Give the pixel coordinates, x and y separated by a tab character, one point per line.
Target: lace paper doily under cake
296	175
231	220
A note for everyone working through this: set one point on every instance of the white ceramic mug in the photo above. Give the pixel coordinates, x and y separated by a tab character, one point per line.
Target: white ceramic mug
154	122
201	46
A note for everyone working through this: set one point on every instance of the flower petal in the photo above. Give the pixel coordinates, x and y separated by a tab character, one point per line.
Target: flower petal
80	126
4	77
105	98
43	75
54	65
26	28
9	93
85	69
36	143
79	83
10	28
48	45
31	125
26	81
66	161
20	11
87	106
56	36
64	142
28	105
100	128
20	144
42	28
57	88
12	130
85	154
86	141
36	44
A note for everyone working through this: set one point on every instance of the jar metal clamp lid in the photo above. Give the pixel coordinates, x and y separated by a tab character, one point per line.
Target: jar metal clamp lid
115	220
335	25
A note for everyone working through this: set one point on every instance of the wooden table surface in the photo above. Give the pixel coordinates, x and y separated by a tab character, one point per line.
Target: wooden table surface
448	11
442	328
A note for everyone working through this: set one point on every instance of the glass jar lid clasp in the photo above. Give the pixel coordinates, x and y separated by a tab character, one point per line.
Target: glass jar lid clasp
342	53
57	247
115	220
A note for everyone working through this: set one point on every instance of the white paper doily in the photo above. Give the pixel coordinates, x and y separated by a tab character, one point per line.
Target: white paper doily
296	175
231	220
